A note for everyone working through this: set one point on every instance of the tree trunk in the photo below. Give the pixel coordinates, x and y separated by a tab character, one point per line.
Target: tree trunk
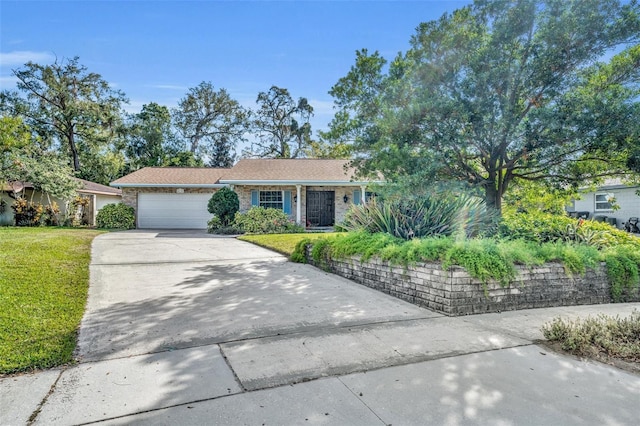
493	198
74	151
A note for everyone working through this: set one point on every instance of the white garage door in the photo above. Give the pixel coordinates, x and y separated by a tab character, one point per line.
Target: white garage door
167	211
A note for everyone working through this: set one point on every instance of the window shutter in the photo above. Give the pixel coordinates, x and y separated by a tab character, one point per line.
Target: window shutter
287	202
356	196
255	201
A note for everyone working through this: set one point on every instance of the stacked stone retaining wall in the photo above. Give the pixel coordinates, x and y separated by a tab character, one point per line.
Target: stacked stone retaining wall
455	292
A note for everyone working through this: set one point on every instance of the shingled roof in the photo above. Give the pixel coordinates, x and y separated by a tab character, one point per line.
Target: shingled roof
89	187
86	187
172	177
290	171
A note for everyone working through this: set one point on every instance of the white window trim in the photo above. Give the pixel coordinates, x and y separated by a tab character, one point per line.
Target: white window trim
281	196
596	202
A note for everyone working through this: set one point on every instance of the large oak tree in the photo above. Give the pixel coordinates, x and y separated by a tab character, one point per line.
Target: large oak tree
73	111
501	91
281	124
212	123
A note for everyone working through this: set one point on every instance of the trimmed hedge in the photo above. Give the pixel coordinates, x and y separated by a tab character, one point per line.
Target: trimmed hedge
116	216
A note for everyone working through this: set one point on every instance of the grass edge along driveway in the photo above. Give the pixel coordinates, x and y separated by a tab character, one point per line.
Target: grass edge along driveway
283	243
44	282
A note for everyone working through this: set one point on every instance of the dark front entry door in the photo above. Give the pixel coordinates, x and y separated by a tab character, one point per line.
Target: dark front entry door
320	208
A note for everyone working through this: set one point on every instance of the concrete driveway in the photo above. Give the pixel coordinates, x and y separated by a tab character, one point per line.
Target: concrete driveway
186	328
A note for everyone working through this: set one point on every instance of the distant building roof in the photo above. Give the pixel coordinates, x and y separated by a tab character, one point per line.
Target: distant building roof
89	187
86	187
15	186
172	177
614	183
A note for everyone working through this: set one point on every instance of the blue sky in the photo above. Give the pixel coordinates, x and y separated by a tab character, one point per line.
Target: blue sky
155	50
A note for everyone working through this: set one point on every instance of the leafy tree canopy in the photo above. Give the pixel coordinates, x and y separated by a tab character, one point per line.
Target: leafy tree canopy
14	134
282	125
150	137
212	124
72	110
498	92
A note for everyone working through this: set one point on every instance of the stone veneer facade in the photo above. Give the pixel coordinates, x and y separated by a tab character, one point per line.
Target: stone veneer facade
454	292
130	196
244	194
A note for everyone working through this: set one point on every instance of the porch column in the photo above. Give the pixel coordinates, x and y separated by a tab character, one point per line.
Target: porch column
363	197
298	204
94	213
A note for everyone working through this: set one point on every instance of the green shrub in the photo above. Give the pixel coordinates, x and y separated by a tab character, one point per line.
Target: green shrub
321	253
27	213
260	220
224	204
116	216
623	271
482	259
441	214
215	226
299	254
614	337
544	227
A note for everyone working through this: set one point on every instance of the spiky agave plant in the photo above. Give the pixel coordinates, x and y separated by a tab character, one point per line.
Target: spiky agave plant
437	214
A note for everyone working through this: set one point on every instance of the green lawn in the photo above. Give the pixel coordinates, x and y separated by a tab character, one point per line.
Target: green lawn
283	243
44	279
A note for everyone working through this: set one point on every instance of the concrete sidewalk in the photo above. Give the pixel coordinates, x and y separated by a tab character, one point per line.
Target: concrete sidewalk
182	328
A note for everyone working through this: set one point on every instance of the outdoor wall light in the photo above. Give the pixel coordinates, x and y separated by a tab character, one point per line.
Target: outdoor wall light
179	191
345	198
295	198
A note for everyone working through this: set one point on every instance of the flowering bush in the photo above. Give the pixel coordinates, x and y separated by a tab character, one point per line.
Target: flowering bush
259	220
27	213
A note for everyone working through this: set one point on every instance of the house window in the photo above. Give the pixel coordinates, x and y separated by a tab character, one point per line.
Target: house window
271	199
602	202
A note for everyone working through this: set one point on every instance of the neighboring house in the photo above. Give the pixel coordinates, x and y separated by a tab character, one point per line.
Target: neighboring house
598	203
313	192
97	194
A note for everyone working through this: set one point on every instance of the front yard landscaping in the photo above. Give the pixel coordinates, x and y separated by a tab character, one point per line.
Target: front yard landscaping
611	340
284	243
44	279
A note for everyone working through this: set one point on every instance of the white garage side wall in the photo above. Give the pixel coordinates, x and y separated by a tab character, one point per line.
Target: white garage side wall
103	200
6	218
626	199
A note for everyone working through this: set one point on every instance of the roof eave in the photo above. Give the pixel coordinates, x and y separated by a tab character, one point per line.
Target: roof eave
88	191
298	182
607	187
167	185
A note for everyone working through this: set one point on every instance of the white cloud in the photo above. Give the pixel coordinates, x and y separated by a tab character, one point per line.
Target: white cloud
134	107
21	57
8	82
322	107
168	87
